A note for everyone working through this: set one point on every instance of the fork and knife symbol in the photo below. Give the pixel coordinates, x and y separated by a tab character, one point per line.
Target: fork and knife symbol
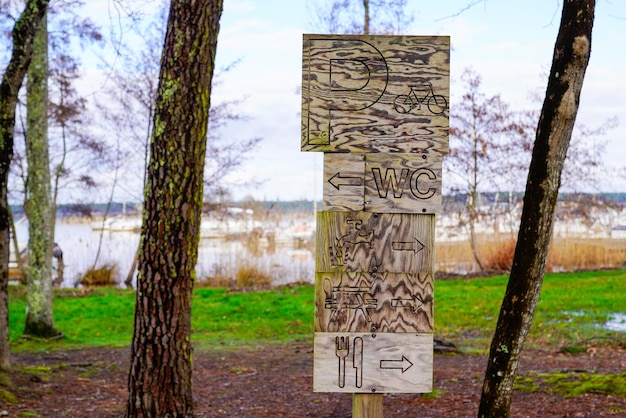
342	351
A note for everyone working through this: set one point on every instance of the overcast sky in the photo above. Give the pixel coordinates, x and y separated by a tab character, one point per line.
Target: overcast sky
509	43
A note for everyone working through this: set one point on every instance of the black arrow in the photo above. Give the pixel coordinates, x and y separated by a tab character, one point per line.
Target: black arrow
414	246
406	303
338	180
404	364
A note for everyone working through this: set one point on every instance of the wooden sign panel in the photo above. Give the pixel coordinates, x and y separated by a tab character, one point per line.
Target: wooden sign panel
374	242
344	182
373	302
372	363
381	182
373	93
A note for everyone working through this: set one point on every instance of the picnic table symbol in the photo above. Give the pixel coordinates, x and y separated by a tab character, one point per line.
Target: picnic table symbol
354	298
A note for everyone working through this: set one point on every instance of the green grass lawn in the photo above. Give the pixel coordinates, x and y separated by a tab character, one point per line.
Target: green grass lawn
570	311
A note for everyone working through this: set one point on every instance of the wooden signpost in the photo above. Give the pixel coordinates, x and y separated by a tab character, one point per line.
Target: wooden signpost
378	107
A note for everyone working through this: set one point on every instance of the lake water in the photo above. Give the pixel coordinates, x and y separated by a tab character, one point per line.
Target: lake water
287	261
617	322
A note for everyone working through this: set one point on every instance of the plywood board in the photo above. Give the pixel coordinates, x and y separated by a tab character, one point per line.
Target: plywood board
374	242
373	93
382	182
373	363
403	183
374	302
344	181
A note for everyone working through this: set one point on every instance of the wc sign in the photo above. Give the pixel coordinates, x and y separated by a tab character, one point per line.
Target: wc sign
381	182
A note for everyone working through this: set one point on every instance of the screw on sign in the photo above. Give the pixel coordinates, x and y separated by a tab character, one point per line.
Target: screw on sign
377	106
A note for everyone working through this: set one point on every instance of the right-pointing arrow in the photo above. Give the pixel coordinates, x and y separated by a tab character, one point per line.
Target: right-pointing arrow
338	180
404	364
414	245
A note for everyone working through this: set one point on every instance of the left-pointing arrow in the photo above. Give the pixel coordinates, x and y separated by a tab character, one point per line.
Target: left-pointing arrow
338	180
404	364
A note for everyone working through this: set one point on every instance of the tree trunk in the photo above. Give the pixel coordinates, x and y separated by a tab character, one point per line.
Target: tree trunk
38	206
23	35
473	219
159	380
366	17
569	63
21	268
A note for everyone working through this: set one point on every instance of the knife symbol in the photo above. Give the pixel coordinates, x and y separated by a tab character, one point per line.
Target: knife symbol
357	360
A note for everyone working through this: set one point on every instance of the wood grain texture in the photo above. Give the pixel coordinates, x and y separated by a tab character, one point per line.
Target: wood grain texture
403	183
373	363
374	302
367	405
344	182
374	242
363	93
382	182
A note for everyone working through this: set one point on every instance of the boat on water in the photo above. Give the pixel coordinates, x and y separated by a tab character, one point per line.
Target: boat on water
229	224
227	227
232	222
18	275
119	223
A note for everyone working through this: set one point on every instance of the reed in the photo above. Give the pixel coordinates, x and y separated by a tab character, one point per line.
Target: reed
564	254
101	276
585	254
499	255
251	276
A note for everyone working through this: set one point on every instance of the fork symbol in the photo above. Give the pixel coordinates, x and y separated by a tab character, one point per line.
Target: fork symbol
342	349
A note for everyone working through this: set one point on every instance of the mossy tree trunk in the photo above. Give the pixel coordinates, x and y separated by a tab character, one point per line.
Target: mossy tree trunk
38	204
159	380
23	35
569	63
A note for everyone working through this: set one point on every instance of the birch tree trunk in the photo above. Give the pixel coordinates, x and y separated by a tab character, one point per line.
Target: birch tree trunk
159	380
569	63
38	204
23	34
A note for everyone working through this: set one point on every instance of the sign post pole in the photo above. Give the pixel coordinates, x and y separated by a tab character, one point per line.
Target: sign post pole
377	107
365	405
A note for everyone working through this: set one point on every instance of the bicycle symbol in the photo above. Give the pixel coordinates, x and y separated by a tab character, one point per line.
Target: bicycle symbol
436	103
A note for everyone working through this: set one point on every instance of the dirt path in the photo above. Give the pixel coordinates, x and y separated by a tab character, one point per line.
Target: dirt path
277	381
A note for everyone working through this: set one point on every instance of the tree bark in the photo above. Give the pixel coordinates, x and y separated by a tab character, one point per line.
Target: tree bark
366	17
38	205
473	219
159	380
569	63
23	34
